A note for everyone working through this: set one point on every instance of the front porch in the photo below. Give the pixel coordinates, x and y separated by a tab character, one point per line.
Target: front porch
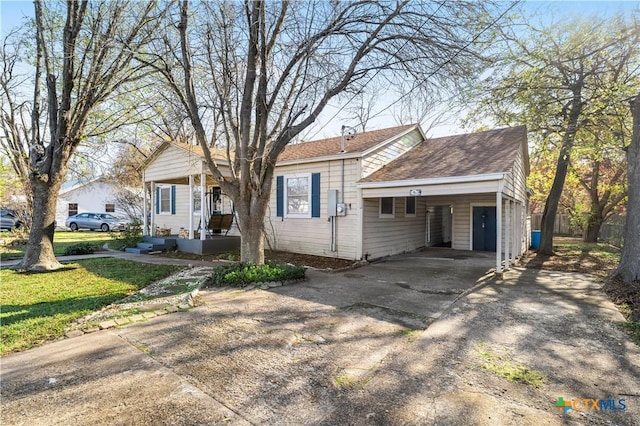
212	244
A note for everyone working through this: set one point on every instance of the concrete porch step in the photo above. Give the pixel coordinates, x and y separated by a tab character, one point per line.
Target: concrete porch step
167	243
152	246
136	250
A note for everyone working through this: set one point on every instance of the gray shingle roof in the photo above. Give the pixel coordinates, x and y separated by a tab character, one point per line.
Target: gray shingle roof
492	151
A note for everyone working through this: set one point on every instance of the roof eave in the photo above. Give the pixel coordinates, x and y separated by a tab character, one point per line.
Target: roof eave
433	181
344	156
391	139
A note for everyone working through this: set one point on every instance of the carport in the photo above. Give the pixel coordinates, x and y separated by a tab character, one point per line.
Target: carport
467	192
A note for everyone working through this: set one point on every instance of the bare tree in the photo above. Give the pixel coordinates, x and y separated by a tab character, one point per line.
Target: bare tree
254	75
629	267
83	58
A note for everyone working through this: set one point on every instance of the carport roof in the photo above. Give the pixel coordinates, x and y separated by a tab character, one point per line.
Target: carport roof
492	151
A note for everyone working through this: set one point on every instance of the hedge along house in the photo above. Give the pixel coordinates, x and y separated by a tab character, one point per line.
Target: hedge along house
372	194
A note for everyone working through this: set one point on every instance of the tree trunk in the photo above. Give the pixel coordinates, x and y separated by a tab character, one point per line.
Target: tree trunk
593	225
629	268
39	254
592	231
551	206
252	228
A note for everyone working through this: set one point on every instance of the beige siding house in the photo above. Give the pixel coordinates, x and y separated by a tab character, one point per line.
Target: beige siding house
367	195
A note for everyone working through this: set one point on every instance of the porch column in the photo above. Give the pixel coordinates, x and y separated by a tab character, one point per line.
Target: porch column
203	190
507	234
145	209
499	231
514	232
152	225
191	207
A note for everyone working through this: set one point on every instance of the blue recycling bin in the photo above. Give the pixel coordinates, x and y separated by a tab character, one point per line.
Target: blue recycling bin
535	239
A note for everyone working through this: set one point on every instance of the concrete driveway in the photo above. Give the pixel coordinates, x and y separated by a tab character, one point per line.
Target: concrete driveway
415	286
341	348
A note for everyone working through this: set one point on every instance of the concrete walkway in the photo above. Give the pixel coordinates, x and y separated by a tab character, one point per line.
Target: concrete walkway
346	348
143	258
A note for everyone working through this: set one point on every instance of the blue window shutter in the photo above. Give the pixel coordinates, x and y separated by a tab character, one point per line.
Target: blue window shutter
157	200
280	196
315	195
173	199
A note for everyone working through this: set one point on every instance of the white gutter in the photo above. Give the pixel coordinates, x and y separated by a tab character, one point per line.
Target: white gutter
431	181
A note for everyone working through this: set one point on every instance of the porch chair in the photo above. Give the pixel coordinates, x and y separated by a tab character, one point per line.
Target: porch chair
220	222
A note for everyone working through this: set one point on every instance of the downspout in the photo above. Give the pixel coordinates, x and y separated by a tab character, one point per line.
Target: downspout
145	209
499	229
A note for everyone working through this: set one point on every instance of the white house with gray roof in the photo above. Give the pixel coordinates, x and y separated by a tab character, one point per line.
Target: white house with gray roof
369	195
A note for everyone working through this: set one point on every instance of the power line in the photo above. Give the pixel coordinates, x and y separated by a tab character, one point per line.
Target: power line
417	31
448	61
473	40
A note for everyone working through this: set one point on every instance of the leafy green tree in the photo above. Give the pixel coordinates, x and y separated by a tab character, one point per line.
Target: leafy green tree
559	80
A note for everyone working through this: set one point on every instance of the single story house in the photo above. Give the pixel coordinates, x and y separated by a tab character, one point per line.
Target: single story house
96	195
367	195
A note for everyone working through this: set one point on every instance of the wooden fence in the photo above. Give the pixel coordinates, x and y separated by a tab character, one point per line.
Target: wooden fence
611	231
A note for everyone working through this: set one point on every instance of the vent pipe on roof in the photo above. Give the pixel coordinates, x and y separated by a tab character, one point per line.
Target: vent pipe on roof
346	133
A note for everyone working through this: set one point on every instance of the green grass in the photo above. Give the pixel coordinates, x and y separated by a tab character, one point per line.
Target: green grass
508	369
61	241
36	307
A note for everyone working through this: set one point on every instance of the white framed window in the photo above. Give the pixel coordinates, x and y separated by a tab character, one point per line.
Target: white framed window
410	207
164	193
110	208
297	195
387	207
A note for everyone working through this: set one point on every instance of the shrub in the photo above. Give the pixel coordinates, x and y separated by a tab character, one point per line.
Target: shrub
242	274
81	248
130	237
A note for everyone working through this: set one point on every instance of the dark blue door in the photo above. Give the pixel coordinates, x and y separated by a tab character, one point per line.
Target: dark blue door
484	228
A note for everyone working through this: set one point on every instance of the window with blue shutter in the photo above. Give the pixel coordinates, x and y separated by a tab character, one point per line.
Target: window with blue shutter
157	200
315	195
280	196
166	199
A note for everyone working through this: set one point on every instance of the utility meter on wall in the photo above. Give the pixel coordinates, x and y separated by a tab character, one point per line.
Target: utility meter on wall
341	209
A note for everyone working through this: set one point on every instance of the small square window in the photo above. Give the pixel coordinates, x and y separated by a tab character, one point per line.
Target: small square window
410	206
73	209
298	201
387	207
110	208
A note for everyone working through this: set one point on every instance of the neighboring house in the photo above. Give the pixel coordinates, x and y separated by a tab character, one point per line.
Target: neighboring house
370	195
96	195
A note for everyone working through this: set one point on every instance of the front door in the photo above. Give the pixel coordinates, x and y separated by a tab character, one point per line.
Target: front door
484	228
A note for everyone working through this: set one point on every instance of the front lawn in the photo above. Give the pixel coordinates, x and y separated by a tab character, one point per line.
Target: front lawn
36	307
61	240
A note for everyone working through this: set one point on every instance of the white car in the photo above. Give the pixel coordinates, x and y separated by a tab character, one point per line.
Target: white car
103	221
